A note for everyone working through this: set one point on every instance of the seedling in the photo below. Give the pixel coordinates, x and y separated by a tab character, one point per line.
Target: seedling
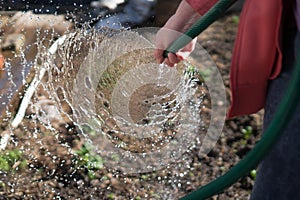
235	19
192	72
247	132
111	196
12	160
253	174
89	160
138	198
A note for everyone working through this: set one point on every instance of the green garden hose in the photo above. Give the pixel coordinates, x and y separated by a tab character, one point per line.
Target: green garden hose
212	15
272	133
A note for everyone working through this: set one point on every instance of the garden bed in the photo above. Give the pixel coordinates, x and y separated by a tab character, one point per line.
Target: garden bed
53	163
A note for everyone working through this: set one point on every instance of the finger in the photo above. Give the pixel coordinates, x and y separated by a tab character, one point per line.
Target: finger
190	46
158	54
182	55
173	58
187	50
169	63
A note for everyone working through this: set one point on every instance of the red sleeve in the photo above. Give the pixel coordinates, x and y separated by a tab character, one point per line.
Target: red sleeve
201	6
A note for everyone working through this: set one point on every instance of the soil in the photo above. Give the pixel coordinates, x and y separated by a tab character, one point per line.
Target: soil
53	171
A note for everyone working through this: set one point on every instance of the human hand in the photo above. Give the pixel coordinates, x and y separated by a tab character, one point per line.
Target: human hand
163	40
183	19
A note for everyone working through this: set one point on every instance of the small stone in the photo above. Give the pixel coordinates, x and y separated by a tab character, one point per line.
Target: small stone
61	185
95	182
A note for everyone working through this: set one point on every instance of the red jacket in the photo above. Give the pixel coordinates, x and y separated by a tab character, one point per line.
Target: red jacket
256	56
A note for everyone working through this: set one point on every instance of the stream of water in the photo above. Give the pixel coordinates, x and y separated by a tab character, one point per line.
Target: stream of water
138	116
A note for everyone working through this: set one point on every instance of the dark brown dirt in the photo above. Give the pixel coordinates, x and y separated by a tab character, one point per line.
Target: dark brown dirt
54	172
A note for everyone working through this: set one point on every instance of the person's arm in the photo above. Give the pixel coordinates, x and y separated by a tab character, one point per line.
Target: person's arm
187	13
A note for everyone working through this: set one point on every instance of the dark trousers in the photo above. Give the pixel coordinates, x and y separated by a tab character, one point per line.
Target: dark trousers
278	175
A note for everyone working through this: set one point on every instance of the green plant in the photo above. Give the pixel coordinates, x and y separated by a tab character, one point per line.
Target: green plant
89	160
253	174
247	132
11	160
235	19
145	177
2	185
192	71
154	195
115	157
111	196
87	128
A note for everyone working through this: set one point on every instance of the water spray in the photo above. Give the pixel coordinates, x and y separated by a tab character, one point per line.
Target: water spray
173	104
